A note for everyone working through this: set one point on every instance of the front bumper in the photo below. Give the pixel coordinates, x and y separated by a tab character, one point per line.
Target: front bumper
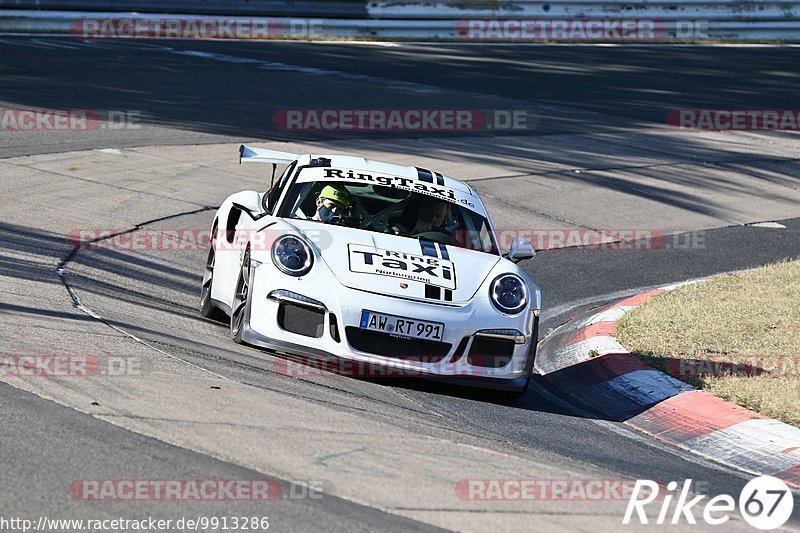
480	346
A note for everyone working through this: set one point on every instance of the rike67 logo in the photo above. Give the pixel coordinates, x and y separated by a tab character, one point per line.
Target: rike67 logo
765	503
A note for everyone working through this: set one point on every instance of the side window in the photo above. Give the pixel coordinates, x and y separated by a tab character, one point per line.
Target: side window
486	238
272	196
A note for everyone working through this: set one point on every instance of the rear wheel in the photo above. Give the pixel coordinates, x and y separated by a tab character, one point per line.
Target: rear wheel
240	298
207	307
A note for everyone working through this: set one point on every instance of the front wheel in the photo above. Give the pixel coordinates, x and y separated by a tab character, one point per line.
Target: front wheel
240	300
207	307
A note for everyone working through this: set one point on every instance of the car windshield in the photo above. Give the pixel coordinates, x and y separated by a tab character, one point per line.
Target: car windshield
386	209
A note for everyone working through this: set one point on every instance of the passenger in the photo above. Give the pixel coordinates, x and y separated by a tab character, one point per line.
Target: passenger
430	215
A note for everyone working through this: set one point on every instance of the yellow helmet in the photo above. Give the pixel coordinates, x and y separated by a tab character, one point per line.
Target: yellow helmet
337	193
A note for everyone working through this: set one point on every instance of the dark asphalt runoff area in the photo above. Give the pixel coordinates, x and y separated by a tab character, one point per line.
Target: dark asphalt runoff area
235	89
198	93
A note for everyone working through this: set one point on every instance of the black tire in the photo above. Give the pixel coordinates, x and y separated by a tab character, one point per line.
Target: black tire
240	301
207	307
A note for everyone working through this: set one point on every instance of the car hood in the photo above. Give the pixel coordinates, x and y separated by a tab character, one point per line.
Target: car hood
399	266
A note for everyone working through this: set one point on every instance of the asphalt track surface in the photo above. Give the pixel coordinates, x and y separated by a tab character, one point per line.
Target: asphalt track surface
189	97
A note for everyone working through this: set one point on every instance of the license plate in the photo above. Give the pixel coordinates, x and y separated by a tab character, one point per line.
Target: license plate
402	326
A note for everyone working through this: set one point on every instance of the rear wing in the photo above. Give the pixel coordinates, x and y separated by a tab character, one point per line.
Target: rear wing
261	155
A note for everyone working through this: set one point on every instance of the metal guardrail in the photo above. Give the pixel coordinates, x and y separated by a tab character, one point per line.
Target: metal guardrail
23	21
717	20
464	20
262	8
712	10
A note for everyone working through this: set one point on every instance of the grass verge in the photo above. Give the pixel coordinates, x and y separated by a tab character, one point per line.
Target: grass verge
737	337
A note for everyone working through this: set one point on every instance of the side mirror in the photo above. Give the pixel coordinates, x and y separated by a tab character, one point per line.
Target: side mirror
520	250
249	202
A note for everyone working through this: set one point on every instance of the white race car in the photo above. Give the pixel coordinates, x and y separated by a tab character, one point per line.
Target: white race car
373	263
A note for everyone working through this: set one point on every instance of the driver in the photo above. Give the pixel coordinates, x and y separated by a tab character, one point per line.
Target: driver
332	201
431	215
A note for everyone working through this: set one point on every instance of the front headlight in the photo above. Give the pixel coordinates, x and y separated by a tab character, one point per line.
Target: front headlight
292	255
509	293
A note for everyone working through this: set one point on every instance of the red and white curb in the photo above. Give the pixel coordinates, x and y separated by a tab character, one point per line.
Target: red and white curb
596	371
